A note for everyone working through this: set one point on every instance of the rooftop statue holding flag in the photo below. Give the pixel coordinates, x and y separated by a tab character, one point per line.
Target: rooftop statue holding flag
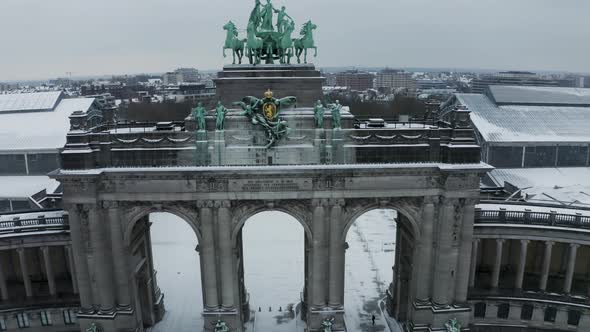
264	43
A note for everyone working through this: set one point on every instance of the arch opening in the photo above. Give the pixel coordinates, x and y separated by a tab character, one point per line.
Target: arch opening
272	244
377	264
166	265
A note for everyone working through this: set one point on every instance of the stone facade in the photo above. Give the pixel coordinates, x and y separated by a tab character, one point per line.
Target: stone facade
111	241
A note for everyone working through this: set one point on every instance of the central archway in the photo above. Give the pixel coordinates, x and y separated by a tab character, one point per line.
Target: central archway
273	268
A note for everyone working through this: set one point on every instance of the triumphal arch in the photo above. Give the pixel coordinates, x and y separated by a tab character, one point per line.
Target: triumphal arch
271	143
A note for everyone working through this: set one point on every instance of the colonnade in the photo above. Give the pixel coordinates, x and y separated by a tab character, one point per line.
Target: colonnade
24	262
572	251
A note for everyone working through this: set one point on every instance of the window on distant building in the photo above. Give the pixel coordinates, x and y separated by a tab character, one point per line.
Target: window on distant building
573	317
479	310
45	318
13	164
527	312
503	310
70	316
22	320
550	314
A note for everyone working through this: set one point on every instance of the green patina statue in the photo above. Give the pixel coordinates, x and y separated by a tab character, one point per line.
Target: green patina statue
265	112
453	325
233	43
199	113
220	326
327	324
93	328
336	110
306	42
318	114
264	43
220	112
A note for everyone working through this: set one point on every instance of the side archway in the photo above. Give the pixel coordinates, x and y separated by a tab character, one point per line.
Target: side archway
134	213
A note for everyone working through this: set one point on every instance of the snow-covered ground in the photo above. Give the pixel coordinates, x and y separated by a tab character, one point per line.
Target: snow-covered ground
274	264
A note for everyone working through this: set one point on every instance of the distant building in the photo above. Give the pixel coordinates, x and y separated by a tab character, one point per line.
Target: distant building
527	127
181	75
392	79
426	84
355	80
522	78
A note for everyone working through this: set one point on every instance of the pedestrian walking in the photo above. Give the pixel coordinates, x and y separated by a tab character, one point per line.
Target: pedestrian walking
373	319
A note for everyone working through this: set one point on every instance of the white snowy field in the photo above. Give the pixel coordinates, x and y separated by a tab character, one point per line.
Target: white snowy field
274	265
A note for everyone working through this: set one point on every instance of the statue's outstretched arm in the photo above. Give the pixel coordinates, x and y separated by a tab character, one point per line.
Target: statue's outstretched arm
250	100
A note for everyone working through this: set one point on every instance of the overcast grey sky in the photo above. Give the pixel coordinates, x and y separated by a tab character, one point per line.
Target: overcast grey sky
46	38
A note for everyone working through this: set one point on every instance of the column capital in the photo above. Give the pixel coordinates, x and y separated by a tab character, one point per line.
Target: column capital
525	241
431	199
109	204
337	202
204	204
476	240
574	245
316	202
501	240
549	243
20	249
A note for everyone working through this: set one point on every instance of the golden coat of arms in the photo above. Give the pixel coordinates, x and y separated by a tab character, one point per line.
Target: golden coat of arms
269	110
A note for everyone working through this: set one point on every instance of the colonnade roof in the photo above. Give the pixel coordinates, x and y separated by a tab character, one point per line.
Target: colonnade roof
566	187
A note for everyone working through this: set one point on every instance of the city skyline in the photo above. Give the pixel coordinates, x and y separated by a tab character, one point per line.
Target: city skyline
107	37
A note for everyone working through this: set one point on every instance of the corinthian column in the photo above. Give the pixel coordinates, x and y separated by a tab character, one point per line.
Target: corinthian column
120	255
24	268
521	264
3	287
464	263
546	265
571	266
78	221
102	258
336	255
424	251
319	255
444	256
207	251
49	271
497	264
225	254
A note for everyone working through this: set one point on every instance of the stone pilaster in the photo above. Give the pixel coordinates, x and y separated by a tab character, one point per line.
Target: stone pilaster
225	255
336	283
207	252
102	260
49	271
423	254
24	267
319	257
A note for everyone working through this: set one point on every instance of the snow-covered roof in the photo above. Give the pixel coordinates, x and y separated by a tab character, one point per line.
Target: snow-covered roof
29	102
39	130
31	215
549	185
539	95
514	123
25	186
